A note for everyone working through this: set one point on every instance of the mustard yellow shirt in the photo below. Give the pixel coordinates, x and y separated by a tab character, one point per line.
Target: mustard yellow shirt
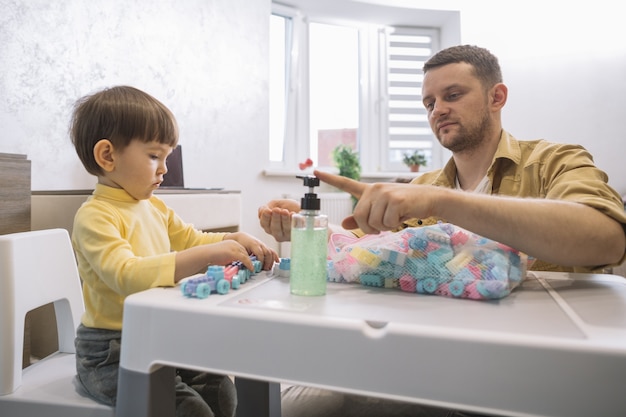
540	169
123	246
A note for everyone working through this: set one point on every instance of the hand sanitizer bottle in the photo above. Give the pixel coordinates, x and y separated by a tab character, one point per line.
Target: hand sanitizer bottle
309	244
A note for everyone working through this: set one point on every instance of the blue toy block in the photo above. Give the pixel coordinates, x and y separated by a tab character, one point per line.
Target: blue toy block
372	280
284	267
456	287
440	256
235	283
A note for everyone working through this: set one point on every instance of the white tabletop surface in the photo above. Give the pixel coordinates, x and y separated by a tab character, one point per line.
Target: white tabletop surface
555	347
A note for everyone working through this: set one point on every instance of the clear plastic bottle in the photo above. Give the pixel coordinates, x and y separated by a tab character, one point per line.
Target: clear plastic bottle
309	244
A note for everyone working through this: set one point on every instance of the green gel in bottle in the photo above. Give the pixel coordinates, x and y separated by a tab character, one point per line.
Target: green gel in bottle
309	244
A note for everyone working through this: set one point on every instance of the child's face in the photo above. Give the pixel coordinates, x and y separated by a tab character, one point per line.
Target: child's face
139	168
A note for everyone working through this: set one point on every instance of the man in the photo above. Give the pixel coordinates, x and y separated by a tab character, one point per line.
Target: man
545	199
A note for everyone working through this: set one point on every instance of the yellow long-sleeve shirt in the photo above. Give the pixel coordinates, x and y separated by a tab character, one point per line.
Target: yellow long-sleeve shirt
123	246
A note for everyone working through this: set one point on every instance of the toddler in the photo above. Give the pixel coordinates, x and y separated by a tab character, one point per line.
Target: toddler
127	240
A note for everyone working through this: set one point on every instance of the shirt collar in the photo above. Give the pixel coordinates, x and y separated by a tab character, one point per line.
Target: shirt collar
118	194
508	148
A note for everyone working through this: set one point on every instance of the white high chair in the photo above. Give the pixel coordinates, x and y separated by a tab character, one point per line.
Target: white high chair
37	268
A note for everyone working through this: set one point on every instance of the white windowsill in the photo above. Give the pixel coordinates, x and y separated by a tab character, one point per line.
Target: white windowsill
365	176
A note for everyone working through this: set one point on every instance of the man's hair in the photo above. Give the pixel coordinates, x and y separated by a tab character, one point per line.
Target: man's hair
120	114
485	64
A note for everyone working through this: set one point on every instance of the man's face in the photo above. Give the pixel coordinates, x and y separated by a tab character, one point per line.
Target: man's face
457	107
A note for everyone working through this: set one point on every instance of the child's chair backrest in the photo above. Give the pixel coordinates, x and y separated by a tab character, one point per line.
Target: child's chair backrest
36	268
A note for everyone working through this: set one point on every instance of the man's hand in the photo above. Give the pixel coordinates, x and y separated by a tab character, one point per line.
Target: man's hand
275	218
382	206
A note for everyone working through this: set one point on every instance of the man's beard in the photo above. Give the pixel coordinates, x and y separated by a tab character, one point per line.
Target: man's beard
469	139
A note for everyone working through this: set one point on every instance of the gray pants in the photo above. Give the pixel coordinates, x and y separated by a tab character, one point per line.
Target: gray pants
198	394
298	401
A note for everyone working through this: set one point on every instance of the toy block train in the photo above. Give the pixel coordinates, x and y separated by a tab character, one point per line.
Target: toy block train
219	279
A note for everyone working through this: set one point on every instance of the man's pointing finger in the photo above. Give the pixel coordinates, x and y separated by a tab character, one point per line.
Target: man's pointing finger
355	188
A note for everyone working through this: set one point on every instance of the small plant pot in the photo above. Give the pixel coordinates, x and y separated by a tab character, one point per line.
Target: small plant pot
414	168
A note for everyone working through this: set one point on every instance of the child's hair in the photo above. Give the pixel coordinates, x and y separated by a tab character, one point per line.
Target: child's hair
120	114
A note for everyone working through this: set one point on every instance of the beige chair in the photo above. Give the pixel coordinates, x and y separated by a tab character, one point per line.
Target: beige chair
38	268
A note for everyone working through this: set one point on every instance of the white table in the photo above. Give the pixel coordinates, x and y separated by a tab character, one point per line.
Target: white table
555	347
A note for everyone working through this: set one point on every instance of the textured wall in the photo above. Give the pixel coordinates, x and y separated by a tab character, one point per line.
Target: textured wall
205	59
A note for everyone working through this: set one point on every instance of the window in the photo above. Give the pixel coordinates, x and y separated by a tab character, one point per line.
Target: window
406	120
333	90
339	81
280	35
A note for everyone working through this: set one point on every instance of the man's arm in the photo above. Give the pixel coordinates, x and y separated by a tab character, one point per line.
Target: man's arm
559	232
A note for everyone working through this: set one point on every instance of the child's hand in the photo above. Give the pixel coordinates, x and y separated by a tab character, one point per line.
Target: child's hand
228	251
195	260
255	247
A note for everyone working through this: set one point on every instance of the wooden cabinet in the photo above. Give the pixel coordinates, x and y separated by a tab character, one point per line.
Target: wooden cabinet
14	193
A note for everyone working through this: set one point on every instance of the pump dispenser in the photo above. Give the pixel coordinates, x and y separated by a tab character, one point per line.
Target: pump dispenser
309	236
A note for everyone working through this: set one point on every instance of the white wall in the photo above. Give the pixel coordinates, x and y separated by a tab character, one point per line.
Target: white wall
564	63
205	59
565	66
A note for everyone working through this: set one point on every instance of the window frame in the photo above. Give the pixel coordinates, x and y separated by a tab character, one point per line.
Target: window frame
373	102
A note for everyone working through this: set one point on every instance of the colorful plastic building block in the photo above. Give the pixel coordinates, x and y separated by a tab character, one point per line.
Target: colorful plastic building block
372	280
219	279
203	286
283	268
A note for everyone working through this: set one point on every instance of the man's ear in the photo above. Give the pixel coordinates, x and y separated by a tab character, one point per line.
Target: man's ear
499	94
103	154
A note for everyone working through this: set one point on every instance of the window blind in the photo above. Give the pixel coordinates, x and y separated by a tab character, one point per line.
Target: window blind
407	125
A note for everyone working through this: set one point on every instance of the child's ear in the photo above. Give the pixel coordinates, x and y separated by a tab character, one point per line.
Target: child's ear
103	154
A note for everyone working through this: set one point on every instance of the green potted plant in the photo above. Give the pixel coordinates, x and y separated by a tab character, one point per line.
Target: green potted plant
414	159
347	160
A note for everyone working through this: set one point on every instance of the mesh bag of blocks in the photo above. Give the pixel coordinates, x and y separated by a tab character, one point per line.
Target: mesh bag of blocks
441	259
